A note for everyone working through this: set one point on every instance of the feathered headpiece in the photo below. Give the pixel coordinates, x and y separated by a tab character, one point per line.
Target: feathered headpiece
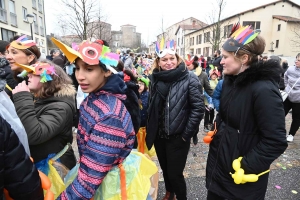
239	37
22	43
90	52
45	70
163	48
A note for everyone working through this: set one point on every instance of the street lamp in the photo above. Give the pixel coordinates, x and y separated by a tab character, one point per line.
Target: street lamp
30	19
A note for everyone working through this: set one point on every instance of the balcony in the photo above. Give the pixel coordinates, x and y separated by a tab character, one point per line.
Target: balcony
36	28
34	4
42	31
13	19
40	8
3	15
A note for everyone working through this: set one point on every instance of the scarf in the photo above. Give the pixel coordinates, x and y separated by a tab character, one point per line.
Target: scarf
162	80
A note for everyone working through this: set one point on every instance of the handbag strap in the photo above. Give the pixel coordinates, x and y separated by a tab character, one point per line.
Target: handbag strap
293	85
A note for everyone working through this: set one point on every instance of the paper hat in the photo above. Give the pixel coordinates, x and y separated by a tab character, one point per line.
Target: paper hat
214	71
22	43
239	37
189	60
90	52
144	80
163	48
45	70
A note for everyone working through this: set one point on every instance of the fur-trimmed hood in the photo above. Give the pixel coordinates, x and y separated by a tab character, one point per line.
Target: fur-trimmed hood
269	70
66	90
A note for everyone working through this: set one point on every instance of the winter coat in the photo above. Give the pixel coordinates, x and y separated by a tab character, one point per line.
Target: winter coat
59	60
17	173
7	75
143	111
217	95
208	98
105	138
128	64
252	126
217	62
203	78
184	107
290	78
48	123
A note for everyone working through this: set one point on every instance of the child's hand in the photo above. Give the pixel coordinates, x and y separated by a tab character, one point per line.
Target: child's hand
21	87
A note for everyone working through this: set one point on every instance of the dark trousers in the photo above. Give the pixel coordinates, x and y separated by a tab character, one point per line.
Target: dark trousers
209	117
295	115
172	155
213	196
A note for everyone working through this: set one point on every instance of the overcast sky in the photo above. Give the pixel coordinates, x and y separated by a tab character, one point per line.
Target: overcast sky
147	15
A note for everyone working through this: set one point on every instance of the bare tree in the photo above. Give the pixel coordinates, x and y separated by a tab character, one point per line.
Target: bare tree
295	28
82	18
217	27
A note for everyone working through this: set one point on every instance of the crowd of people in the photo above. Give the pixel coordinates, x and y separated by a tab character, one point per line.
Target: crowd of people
147	103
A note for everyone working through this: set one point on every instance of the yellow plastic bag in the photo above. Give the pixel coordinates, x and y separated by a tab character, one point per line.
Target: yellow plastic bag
142	147
58	185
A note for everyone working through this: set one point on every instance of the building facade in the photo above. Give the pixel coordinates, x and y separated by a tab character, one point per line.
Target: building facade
276	21
18	17
126	38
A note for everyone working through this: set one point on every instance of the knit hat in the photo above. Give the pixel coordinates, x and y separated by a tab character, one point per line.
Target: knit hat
144	80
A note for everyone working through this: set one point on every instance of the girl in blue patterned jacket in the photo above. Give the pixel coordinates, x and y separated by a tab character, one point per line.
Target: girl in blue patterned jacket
105	131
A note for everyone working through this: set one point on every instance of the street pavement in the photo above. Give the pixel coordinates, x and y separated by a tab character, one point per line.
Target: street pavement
284	178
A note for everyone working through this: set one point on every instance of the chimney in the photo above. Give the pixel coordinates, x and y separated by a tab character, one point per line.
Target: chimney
194	22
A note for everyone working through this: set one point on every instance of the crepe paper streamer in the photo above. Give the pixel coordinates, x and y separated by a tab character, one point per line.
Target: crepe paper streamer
278	187
75	46
294	192
45	77
23	74
162	43
251	38
284	168
290	165
9	88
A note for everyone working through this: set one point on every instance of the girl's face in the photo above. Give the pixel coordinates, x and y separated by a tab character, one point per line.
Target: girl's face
214	77
17	56
190	67
297	62
34	83
90	77
168	62
141	86
231	66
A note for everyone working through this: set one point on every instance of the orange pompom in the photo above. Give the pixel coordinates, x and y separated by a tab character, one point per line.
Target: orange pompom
207	139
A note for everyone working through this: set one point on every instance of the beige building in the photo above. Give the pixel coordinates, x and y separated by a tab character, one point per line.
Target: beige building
14	20
127	37
276	21
170	33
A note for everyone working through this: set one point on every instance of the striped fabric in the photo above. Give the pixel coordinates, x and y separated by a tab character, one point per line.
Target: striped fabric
105	138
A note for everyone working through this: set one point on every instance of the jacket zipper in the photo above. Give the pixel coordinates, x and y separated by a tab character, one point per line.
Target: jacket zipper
221	138
167	127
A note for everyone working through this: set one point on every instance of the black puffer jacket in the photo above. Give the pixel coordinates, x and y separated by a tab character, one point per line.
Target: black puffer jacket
252	126
17	173
7	75
48	123
184	107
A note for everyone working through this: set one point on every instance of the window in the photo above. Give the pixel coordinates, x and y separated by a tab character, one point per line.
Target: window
35	18
41	21
182	40
7	34
42	42
192	41
24	11
200	39
253	24
278	27
197	40
198	51
37	41
227	30
277	44
2	5
206	37
12	6
178	40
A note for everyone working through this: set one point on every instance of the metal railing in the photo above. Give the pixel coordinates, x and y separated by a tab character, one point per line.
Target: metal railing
3	15
13	19
40	8
42	31
36	28
34	4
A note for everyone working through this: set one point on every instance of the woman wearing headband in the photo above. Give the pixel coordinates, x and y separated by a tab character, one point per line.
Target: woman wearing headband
47	115
251	129
22	51
175	111
105	132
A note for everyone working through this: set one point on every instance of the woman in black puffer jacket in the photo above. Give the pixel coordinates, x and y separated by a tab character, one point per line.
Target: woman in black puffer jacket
175	110
18	174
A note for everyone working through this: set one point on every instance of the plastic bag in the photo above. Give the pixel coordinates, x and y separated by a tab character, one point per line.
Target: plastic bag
142	147
80	96
138	170
58	185
8	112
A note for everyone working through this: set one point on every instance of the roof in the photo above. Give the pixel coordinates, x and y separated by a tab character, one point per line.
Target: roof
250	10
188	27
128	25
286	18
